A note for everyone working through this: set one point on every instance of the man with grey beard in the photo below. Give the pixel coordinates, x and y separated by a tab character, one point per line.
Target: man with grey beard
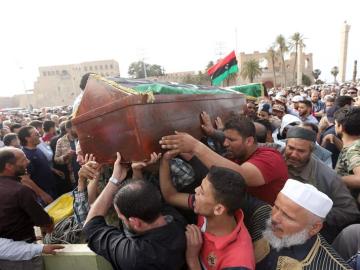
291	239
304	167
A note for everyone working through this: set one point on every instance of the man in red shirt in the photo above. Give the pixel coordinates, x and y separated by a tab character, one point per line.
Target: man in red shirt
264	169
220	239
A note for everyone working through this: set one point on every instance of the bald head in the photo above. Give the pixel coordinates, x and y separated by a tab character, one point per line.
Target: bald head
7	156
15	158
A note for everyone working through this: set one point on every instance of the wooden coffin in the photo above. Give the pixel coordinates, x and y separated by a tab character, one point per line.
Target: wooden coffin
133	124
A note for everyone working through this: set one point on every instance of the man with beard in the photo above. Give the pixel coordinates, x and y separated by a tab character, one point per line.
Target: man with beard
318	107
292	231
263	169
66	152
347	126
305	107
19	211
304	167
38	169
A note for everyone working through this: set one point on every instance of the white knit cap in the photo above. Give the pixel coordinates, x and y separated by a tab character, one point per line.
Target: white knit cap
308	197
297	98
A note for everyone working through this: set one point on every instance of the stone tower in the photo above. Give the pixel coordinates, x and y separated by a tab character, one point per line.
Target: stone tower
344	36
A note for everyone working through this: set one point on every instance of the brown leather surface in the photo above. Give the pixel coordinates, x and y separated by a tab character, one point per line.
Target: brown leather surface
109	121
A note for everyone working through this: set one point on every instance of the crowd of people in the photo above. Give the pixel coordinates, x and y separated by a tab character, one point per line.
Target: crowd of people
274	186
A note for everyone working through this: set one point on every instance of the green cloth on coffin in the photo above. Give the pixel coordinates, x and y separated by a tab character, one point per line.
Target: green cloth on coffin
252	91
164	89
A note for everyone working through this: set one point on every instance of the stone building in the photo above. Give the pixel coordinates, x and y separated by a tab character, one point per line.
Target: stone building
59	85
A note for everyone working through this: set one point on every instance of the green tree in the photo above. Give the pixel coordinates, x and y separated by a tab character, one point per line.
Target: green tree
296	41
136	70
280	43
306	80
271	53
209	65
250	70
334	71
316	73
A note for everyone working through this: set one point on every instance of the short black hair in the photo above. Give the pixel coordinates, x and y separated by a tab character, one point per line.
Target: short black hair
48	124
36	124
261	132
306	102
313	127
229	187
349	119
62	128
6	156
140	199
342	101
266	123
14	126
68	124
9	137
24	133
84	80
242	125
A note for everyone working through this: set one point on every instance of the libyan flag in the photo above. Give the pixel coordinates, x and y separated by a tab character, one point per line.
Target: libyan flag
222	69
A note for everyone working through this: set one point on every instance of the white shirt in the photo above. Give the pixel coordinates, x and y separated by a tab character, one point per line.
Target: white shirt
18	250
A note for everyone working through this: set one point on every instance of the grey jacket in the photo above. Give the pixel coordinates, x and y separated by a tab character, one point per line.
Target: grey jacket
344	210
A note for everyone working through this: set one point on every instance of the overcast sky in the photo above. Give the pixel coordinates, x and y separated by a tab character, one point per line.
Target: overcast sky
179	35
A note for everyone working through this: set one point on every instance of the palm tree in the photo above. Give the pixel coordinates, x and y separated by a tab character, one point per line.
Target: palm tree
335	72
250	70
316	73
272	56
296	40
354	72
282	48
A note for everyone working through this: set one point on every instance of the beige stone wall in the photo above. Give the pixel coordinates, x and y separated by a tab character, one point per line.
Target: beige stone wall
59	85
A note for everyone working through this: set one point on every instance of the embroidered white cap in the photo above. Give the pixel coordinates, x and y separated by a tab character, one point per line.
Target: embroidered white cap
308	197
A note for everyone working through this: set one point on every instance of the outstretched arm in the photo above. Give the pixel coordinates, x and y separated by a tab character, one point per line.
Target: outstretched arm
104	201
184	143
169	192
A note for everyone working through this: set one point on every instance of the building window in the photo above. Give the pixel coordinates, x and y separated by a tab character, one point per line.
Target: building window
44	73
90	68
85	68
101	67
48	73
95	67
111	66
106	66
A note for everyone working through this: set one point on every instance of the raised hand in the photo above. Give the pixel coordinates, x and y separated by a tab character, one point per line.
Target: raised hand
140	165
194	242
219	123
179	143
207	126
120	170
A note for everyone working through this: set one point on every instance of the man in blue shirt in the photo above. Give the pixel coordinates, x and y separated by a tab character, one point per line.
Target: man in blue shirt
39	169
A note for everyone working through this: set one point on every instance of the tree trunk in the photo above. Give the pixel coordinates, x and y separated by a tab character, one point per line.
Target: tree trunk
283	68
294	72
274	73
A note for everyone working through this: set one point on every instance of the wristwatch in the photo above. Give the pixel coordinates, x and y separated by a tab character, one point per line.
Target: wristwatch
115	181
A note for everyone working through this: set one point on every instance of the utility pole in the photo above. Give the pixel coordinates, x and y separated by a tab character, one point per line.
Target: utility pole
141	53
